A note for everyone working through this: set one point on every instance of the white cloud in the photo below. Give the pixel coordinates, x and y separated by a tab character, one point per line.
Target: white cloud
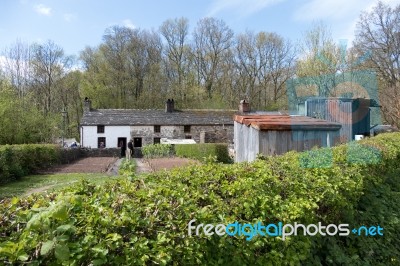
128	23
243	7
330	9
336	9
43	10
69	17
341	15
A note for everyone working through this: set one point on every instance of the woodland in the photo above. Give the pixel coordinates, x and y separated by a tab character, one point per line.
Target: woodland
42	88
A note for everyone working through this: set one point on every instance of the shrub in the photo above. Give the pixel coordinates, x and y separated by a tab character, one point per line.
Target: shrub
144	220
127	167
204	151
157	150
20	160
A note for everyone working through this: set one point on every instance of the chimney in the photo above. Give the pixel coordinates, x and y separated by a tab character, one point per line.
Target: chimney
169	106
244	107
87	105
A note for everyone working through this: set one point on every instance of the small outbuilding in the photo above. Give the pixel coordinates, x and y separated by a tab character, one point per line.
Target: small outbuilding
276	134
353	114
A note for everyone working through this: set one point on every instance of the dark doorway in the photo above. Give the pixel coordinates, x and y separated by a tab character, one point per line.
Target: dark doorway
137	142
121	141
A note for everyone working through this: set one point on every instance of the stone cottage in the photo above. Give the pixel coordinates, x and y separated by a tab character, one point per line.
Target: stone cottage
110	127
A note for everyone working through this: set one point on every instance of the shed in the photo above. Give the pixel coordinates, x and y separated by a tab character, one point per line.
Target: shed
277	134
353	114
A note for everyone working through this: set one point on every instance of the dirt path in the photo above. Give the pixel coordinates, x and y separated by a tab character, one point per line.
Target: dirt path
142	166
85	165
110	166
154	165
38	190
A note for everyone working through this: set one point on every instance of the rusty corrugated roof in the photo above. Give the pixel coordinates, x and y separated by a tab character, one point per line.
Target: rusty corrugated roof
285	122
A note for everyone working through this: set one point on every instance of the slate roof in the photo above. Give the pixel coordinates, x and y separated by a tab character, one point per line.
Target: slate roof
131	117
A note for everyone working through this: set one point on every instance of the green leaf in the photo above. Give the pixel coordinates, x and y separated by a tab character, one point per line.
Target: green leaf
99	262
14	200
61	252
65	228
46	247
35	222
114	237
23	257
60	213
8	248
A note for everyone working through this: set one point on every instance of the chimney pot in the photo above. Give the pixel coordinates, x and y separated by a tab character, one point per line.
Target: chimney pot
169	106
87	105
244	106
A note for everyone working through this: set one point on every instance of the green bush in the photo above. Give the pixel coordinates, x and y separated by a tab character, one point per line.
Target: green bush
127	167
157	150
204	151
144	220
20	160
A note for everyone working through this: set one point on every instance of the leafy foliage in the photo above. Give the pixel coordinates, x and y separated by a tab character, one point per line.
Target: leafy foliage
20	160
127	167
143	220
203	151
157	150
21	122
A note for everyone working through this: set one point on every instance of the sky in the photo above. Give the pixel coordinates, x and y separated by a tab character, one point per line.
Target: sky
75	24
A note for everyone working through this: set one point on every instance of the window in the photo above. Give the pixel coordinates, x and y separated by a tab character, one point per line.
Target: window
101	142
188	137
157	129
186	129
100	129
157	140
137	142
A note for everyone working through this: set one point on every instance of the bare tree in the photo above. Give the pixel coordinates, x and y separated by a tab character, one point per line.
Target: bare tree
264	62
176	33
115	48
144	58
17	66
280	64
49	66
378	35
247	63
212	39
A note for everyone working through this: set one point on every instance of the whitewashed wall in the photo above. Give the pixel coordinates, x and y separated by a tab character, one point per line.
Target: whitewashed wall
89	135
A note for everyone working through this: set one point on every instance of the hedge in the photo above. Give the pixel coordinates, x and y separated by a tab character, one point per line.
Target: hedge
157	150
143	220
20	160
203	151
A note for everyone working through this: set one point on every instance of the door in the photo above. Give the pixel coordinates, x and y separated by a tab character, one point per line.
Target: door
121	142
137	142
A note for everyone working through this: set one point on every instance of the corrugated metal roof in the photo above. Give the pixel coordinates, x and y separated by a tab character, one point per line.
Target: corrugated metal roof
361	101
117	117
285	122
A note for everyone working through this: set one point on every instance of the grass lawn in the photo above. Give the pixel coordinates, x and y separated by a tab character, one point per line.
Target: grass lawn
39	183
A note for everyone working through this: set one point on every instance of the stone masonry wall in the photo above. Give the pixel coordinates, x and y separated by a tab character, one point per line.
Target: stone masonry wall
213	134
